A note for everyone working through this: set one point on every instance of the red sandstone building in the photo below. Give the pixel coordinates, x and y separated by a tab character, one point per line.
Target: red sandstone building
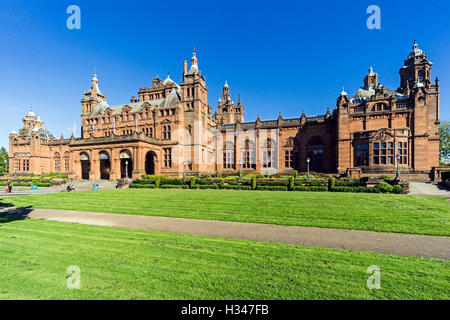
170	129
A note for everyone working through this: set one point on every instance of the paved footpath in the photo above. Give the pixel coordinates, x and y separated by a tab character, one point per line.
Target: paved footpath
382	242
428	189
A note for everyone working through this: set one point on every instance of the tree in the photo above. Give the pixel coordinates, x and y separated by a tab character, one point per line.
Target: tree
444	144
3	166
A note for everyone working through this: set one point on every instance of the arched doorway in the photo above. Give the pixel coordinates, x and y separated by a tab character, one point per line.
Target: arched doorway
85	166
150	163
126	164
105	165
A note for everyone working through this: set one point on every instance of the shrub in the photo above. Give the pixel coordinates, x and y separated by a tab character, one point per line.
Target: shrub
331	183
384	187
273	188
157	181
192	183
295	174
253	183
291	183
221	183
398	189
386	178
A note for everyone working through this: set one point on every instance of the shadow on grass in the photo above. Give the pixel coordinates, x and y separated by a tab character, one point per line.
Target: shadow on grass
8	213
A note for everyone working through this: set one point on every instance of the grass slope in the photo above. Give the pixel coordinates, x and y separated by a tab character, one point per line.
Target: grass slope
121	263
375	212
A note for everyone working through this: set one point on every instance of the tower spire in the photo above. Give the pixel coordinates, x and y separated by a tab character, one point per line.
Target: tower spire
194	60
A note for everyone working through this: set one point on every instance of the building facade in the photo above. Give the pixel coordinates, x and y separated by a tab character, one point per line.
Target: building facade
170	129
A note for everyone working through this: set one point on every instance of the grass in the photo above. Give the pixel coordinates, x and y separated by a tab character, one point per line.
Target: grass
119	263
374	212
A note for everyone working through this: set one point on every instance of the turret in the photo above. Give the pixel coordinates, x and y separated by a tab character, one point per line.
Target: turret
416	69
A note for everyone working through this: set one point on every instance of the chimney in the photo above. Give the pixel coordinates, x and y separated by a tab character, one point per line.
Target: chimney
185	67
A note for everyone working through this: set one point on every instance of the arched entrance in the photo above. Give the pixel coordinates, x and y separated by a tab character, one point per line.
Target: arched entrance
126	164
85	166
150	163
105	165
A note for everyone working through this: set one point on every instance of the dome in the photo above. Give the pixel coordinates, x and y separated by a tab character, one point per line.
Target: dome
415	51
100	108
172	99
169	82
30	114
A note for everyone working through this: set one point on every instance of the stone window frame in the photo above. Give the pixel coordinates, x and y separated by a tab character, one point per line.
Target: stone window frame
361	154
383	153
167	157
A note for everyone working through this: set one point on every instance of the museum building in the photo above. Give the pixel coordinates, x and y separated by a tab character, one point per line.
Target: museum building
170	129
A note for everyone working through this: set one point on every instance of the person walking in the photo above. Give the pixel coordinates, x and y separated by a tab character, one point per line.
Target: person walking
10	187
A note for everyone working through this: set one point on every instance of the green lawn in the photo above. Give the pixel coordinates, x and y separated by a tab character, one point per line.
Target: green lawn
119	263
376	212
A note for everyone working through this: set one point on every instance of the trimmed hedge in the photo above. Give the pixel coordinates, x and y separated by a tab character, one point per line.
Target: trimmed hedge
172	181
236	187
207	186
272	188
42	184
313	188
174	186
355	189
142	186
254	183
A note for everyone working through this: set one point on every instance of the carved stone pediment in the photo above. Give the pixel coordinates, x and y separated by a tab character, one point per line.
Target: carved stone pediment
383	135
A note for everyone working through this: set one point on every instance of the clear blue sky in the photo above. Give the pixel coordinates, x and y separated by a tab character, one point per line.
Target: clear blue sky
282	56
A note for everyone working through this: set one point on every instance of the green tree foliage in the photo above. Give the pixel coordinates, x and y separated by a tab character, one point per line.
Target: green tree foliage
3	166
444	144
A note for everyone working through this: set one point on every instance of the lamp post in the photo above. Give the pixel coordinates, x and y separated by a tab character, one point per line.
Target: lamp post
240	168
307	167
184	171
126	169
42	171
59	170
397	176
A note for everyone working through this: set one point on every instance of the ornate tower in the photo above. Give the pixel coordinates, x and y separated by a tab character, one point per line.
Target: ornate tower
90	100
371	80
416	69
228	112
